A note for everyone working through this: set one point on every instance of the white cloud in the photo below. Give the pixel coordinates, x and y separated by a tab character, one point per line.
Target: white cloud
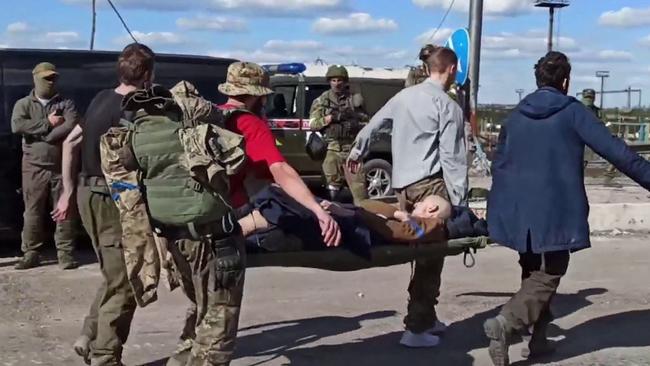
280	46
490	7
259	56
626	17
431	36
308	51
142	4
152	38
274	5
353	24
18	27
62	38
603	56
256	7
209	23
614	55
24	35
645	41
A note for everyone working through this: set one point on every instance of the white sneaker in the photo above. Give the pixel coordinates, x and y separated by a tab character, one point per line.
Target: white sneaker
437	329
421	340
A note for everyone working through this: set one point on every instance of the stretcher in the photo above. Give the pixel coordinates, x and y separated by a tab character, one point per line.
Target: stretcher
342	260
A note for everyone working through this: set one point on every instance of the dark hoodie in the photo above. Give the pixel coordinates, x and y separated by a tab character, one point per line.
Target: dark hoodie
538	182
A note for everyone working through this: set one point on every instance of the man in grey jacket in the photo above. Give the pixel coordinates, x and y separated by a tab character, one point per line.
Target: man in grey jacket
429	158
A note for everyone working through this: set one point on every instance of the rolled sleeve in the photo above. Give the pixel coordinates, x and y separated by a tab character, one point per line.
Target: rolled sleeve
377	122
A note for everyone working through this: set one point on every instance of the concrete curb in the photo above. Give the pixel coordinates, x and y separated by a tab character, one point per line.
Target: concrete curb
606	217
619	216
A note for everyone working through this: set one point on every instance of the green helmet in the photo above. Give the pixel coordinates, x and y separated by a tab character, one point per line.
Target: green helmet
589	93
337	71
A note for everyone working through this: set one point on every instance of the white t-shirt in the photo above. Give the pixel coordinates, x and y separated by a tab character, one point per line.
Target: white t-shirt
43	101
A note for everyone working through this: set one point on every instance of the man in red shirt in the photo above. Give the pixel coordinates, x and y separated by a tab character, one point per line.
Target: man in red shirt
247	86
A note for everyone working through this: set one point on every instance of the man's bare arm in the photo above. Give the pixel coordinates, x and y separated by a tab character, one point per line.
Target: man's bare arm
289	180
69	171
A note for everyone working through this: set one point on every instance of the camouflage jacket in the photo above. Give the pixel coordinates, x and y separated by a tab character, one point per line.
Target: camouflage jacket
345	108
211	154
415	76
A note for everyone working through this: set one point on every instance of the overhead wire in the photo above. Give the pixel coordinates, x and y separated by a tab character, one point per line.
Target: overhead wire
122	20
442	21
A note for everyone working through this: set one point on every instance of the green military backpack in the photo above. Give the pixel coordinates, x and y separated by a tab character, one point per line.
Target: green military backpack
184	170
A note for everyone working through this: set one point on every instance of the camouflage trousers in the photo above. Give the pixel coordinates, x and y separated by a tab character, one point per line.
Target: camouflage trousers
211	322
42	189
424	287
109	319
337	174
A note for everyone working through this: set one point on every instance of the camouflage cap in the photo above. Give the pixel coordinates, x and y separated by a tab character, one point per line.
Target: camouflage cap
337	71
44	69
246	78
589	93
426	51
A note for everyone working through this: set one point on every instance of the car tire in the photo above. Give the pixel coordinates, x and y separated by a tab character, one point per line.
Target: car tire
378	175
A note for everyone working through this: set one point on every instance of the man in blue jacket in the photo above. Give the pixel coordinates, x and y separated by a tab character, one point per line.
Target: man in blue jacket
538	205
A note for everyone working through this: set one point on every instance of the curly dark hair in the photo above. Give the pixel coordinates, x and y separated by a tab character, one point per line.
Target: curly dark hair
552	69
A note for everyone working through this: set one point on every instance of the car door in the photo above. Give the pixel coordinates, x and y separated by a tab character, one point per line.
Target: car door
311	92
284	121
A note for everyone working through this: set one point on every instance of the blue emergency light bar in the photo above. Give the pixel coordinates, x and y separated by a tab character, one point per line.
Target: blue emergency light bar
293	68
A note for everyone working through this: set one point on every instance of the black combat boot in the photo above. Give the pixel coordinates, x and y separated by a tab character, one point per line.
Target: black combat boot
539	345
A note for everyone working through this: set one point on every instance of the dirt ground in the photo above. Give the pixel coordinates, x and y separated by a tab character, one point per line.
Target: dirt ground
294	316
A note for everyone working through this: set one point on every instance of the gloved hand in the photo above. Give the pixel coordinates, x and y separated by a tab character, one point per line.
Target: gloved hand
228	264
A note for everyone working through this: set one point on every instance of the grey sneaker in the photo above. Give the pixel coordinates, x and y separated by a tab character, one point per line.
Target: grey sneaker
495	330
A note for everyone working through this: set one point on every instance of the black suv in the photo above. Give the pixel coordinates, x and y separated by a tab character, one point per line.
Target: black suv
288	114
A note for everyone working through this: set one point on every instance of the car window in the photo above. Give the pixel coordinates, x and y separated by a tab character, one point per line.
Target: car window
282	103
312	92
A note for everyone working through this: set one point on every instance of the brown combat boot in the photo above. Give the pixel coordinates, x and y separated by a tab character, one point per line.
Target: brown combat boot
495	329
67	261
29	260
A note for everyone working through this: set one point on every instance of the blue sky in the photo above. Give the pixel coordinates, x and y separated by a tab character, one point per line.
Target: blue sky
609	35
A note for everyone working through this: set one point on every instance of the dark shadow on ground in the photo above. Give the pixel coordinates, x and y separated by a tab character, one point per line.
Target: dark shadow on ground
622	330
290	340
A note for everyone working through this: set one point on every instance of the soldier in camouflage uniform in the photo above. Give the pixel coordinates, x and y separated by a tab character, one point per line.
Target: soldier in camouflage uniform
339	114
420	73
588	99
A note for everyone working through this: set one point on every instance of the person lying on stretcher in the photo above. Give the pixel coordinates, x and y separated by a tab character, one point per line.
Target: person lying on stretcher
426	224
274	222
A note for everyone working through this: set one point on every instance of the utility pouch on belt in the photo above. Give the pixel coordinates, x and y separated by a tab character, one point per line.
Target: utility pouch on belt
228	264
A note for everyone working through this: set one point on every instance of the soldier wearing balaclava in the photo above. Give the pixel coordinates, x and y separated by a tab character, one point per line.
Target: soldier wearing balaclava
43	119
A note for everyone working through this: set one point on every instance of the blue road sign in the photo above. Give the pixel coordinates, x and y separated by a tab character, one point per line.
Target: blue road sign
459	42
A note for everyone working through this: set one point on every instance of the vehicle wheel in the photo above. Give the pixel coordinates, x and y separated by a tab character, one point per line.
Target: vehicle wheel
379	181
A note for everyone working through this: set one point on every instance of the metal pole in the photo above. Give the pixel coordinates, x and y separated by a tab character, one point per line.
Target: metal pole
520	92
92	32
476	28
551	16
629	97
602	89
